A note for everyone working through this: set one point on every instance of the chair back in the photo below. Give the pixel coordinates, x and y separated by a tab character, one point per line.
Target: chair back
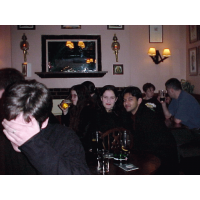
112	138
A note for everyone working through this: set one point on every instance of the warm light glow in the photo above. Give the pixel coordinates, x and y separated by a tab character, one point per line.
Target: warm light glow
91	59
166	53
152	52
81	44
70	44
88	60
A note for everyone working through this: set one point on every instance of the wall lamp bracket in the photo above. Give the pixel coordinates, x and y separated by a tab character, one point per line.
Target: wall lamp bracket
24	45
156	56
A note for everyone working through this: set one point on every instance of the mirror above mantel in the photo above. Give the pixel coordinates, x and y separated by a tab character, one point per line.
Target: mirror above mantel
71	56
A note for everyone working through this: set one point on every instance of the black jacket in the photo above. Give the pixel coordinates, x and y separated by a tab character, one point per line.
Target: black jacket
151	134
107	120
85	127
54	150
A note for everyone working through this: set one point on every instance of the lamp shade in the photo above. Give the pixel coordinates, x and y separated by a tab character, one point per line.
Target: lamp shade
152	52
166	53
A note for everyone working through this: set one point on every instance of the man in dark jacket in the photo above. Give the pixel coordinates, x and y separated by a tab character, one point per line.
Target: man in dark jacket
149	132
41	148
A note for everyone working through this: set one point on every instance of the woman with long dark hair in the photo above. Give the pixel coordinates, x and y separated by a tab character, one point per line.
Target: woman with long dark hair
109	115
79	116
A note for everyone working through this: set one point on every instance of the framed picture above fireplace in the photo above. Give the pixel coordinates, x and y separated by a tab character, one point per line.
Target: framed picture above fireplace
71	53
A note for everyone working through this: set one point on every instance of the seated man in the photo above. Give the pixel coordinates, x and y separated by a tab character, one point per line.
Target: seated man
184	107
149	97
149	132
42	148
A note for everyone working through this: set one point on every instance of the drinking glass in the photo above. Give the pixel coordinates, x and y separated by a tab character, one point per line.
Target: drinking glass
125	145
162	94
65	104
103	161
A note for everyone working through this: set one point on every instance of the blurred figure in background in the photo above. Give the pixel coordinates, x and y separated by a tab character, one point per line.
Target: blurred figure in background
93	92
8	76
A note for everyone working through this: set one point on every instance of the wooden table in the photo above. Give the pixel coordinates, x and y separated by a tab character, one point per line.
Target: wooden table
147	164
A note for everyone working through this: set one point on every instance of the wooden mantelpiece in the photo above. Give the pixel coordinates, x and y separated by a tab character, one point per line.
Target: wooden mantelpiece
71	74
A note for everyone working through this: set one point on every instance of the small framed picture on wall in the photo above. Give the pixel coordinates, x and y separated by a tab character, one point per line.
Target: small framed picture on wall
25	27
115	27
71	26
193	33
155	33
118	69
193	69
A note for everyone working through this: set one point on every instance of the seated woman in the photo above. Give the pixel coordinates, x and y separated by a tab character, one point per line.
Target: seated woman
79	116
149	97
109	114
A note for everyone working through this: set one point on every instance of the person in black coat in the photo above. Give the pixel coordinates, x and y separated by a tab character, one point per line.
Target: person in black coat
109	114
150	133
150	97
38	147
80	115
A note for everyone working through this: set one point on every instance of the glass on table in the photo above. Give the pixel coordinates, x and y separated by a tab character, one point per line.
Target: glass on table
102	161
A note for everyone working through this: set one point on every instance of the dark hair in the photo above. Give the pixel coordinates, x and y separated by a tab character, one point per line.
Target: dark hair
84	99
173	83
109	87
28	97
134	91
117	108
146	86
83	94
90	86
9	76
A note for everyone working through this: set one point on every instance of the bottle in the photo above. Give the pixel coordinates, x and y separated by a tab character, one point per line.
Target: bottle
124	146
124	139
99	141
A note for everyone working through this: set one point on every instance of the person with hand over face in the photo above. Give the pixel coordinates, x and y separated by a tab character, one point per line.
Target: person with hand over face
44	148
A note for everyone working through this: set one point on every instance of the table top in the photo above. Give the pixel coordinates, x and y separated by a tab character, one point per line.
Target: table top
147	164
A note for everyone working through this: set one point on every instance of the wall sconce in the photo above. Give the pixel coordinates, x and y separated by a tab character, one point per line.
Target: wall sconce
155	55
24	45
115	46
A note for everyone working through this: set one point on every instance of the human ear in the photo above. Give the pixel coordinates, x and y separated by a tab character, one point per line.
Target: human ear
44	124
139	100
